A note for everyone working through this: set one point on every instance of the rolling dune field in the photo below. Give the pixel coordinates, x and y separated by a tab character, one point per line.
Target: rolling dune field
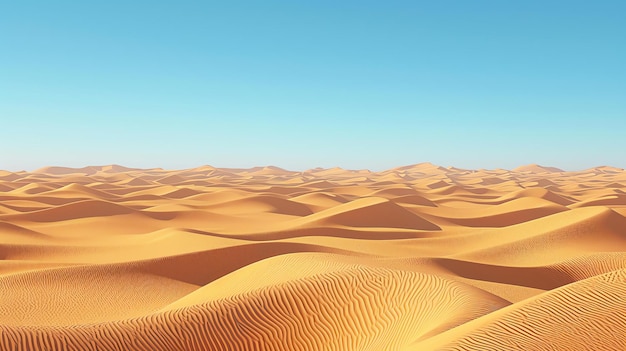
419	257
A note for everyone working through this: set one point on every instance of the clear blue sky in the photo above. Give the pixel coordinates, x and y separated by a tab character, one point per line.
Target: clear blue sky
301	84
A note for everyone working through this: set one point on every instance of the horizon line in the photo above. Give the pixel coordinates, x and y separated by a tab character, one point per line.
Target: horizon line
533	167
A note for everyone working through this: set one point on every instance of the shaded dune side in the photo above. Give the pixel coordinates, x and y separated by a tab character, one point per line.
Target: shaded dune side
48	200
10	207
361	309
513	212
413	200
545	278
200	268
505	219
10	230
609	200
78	190
368	212
538	193
83	209
79	209
336	232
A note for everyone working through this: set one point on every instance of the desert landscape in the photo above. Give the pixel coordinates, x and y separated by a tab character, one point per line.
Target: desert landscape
246	176
420	257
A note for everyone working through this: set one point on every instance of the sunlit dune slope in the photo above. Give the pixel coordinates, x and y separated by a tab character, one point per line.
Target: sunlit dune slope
419	257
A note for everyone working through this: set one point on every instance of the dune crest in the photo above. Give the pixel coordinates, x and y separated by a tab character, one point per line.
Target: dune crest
419	257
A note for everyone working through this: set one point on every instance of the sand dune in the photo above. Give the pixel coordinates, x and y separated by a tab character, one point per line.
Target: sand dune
586	315
369	212
419	257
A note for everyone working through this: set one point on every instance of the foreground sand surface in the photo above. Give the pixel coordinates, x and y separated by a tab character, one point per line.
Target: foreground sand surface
413	258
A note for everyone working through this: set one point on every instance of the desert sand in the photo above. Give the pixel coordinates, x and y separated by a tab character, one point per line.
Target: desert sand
413	258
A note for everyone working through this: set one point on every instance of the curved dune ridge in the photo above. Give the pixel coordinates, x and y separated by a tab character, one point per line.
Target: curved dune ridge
418	257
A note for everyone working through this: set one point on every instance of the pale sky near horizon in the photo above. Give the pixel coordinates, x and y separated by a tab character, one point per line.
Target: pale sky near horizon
302	84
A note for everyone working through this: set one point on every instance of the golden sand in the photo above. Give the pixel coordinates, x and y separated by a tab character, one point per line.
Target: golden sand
414	258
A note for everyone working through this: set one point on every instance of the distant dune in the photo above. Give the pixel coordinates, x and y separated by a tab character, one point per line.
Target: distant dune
537	169
419	257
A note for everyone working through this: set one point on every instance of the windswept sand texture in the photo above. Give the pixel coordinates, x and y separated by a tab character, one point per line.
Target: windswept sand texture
414	258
